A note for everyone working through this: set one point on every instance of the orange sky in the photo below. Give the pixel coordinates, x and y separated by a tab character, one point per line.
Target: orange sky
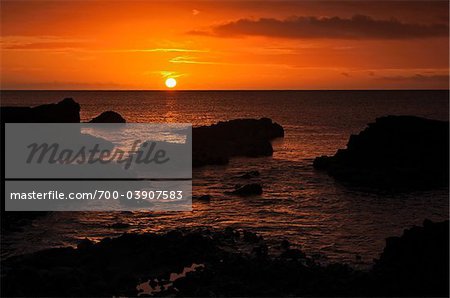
224	44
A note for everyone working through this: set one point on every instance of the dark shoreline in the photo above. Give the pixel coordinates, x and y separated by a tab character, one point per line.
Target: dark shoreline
233	263
236	262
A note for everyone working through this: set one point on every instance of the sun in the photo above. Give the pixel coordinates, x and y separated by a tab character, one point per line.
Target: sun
171	82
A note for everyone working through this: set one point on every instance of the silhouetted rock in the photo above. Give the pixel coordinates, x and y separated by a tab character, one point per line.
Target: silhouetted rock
108	117
14	221
250	174
65	111
248	190
212	145
85	244
251	237
110	267
394	153
215	144
294	254
415	264
261	251
285	244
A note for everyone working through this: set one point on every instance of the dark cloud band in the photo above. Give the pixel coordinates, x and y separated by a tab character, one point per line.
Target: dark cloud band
357	27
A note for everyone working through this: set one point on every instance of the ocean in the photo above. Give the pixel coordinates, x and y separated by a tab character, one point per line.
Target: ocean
310	209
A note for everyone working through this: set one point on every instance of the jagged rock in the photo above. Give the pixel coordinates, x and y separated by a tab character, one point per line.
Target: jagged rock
394	153
212	145
65	111
249	175
294	254
251	237
415	264
215	144
248	190
261	251
285	244
85	244
108	117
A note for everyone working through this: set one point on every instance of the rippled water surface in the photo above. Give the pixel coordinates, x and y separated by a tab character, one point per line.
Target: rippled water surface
307	207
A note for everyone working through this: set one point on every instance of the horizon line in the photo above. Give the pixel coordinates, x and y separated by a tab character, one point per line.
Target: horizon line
211	90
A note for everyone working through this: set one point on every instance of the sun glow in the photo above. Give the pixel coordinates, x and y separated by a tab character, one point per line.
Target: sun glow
171	82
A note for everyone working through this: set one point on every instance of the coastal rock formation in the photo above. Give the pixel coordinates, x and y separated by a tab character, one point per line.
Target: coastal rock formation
416	263
114	267
215	144
250	175
212	145
226	263
252	189
65	111
108	117
394	153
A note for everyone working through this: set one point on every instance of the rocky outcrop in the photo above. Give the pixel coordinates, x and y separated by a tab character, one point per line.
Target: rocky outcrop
229	263
108	117
114	267
394	153
65	111
250	175
212	145
417	263
253	189
215	144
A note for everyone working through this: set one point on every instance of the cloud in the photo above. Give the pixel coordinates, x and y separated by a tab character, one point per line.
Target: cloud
443	78
166	73
61	85
189	60
165	50
357	27
42	46
40	43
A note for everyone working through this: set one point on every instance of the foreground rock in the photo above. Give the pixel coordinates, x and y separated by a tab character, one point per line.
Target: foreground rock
65	111
252	189
416	263
215	144
108	117
250	175
394	153
227	263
